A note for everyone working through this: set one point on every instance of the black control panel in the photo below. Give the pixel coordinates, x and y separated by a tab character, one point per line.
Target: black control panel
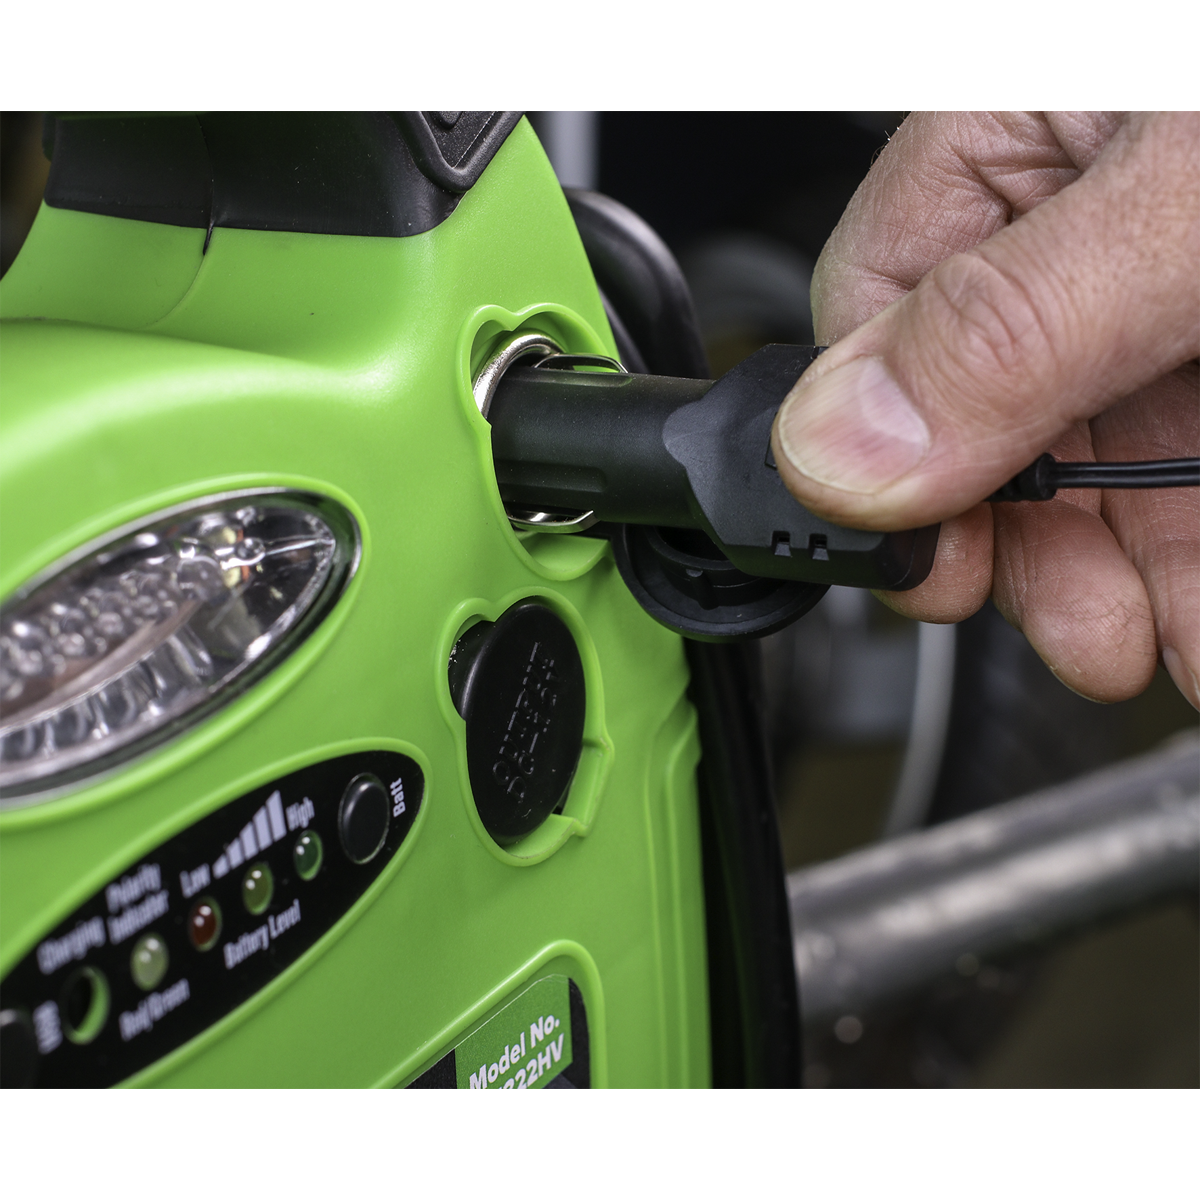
203	922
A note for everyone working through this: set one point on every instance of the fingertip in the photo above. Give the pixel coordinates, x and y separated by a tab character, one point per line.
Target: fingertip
960	580
1062	579
852	428
1183	675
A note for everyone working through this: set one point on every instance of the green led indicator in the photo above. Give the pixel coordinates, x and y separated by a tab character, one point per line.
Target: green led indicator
149	961
308	854
257	888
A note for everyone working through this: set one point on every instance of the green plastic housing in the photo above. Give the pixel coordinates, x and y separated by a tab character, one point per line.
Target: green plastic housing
140	371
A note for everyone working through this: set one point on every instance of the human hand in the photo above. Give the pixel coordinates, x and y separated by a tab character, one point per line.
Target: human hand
1003	284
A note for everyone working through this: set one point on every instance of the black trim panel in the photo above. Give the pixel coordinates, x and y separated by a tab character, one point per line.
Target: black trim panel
369	174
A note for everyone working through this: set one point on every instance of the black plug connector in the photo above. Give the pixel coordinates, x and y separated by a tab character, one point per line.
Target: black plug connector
1033	483
686	454
1042	478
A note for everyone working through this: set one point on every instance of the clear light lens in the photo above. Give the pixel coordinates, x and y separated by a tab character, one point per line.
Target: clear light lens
119	649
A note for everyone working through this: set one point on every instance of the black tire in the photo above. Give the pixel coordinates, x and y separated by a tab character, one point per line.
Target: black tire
1014	727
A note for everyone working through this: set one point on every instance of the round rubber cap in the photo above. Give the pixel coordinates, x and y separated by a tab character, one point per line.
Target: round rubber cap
18	1050
363	818
681	578
519	686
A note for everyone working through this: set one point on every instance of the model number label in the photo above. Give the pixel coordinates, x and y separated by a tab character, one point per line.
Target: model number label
525	1045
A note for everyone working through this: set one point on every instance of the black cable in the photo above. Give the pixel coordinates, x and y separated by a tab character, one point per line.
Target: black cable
1042	479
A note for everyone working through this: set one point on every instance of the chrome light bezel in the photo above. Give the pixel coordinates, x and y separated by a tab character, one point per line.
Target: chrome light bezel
49	782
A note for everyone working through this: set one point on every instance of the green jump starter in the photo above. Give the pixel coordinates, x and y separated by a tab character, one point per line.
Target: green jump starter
317	768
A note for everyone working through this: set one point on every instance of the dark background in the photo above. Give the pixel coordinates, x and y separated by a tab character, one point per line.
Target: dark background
1117	1006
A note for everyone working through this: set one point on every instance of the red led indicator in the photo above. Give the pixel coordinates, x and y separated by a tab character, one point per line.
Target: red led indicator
204	924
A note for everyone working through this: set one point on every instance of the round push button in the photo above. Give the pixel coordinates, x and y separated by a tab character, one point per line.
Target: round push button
519	686
18	1050
363	818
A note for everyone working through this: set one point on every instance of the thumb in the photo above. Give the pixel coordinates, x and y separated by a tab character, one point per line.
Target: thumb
940	398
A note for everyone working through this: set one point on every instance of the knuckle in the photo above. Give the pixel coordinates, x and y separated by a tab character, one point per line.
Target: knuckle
985	323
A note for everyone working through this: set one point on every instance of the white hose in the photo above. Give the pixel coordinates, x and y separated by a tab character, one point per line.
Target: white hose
932	697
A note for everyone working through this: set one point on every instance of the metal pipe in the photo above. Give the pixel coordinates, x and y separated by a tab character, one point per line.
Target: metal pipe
888	921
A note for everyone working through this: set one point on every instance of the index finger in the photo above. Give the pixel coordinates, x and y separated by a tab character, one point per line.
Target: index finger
943	184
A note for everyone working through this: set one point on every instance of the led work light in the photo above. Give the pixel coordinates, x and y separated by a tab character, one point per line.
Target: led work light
122	645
